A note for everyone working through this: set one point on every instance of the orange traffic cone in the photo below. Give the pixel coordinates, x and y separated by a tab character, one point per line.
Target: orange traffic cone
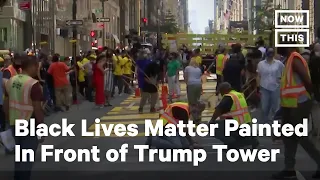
164	89
137	92
162	103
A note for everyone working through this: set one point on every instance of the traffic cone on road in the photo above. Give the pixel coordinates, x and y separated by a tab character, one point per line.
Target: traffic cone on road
164	89
163	103
137	92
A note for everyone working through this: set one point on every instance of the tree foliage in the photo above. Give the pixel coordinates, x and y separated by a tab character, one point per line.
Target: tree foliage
264	16
169	24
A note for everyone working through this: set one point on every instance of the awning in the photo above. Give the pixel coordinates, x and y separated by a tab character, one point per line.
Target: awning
115	37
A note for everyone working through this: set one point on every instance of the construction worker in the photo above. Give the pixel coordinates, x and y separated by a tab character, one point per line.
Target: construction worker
233	106
296	104
23	97
175	112
221	59
14	68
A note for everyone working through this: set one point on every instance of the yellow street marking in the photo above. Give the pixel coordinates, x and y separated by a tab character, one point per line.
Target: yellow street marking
130	116
134	108
116	109
208	111
113	113
92	127
126	136
125	102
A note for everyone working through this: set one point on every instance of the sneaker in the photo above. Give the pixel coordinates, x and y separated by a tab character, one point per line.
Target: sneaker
67	108
140	110
285	174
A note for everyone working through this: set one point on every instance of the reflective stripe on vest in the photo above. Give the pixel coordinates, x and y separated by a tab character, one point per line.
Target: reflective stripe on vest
239	110
290	90
220	64
20	104
169	119
167	116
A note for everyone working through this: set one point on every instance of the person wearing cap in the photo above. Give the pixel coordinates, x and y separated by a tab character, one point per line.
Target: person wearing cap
232	107
13	69
23	101
175	112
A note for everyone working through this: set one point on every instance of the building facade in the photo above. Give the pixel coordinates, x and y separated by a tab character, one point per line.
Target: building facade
12	27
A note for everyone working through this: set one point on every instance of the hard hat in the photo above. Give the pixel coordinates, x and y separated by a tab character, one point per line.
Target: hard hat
1	59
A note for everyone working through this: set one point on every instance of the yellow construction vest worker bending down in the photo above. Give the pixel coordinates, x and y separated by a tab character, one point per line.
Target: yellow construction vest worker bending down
232	107
174	113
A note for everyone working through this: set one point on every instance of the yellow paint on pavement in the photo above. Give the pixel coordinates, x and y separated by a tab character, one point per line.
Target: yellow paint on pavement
116	109
139	122
131	116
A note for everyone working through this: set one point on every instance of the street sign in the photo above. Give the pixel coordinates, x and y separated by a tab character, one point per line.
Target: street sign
74	22
25	5
103	19
98	11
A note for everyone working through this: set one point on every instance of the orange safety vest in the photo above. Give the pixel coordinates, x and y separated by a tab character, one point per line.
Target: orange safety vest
290	90
12	70
167	116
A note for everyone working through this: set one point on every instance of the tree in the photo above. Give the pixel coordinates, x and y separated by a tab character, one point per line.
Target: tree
264	16
169	24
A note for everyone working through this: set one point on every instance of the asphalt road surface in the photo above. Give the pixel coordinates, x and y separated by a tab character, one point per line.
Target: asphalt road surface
125	111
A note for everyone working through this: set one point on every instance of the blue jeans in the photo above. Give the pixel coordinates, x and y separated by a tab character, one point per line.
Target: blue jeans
22	170
270	103
172	142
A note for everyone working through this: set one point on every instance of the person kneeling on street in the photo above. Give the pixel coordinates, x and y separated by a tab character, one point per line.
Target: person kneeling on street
174	113
232	107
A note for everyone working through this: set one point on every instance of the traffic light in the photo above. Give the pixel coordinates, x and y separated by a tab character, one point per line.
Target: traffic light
94	43
93	34
144	20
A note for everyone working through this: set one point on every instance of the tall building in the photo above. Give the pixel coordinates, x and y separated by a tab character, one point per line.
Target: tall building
236	11
185	8
179	9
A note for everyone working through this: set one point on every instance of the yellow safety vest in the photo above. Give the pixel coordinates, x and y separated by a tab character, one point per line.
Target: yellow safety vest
290	90
20	103
239	110
220	61
167	116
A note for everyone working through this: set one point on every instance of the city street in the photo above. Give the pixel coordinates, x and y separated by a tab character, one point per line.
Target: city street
125	111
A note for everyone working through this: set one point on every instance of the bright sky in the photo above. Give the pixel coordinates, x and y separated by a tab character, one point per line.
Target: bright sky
200	11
